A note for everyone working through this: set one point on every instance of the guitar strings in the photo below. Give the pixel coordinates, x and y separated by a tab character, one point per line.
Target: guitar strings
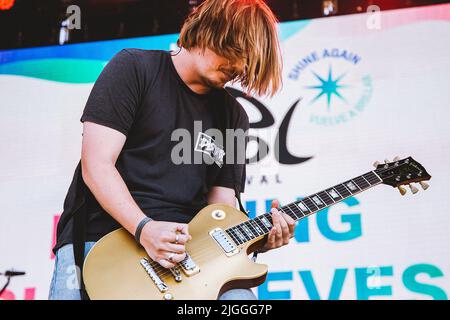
162	271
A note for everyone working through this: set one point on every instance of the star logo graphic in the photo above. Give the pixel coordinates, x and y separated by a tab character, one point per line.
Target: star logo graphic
328	87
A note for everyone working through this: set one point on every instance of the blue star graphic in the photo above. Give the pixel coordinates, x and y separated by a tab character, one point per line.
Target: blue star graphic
328	87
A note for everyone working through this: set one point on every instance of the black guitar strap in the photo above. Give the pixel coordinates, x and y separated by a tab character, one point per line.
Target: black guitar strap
238	197
79	217
224	122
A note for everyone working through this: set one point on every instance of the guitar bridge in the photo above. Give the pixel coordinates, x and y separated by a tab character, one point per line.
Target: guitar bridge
160	284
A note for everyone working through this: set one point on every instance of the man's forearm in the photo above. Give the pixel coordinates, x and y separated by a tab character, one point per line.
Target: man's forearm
112	193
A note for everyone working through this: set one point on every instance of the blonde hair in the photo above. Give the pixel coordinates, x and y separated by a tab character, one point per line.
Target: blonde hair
241	31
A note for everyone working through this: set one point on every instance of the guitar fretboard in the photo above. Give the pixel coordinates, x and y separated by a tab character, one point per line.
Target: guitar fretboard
261	225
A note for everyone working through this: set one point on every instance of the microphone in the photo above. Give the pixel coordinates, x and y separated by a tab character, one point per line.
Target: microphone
12	273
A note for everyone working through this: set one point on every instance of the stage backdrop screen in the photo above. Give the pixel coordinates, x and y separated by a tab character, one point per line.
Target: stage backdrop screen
356	89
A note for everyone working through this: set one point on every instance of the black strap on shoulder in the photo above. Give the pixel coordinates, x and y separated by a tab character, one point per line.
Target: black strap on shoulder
224	122
237	194
79	232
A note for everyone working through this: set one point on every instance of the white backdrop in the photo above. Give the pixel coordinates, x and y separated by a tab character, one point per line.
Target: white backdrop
370	91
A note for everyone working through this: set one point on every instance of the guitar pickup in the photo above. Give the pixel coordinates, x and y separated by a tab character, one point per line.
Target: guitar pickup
189	266
227	245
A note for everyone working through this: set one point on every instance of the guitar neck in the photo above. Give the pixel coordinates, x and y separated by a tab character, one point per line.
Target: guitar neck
261	225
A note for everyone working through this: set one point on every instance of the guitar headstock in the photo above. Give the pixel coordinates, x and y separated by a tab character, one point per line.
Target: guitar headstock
402	172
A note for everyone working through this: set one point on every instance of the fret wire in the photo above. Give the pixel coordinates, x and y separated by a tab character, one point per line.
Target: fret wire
326	194
329	196
374	181
258	229
294	207
343	184
246	224
295	216
335	189
337	193
236	236
318	199
233	236
300	211
247	230
344	192
366	181
355	184
251	227
373	176
229	233
361	181
239	240
242	232
306	207
368	178
308	199
310	205
268	218
261	224
377	176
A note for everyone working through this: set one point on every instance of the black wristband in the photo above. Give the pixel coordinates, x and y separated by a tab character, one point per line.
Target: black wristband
139	228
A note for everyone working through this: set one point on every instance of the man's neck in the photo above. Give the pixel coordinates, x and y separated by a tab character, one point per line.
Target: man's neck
184	63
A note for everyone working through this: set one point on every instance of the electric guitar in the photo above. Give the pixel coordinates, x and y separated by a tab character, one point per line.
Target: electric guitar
222	238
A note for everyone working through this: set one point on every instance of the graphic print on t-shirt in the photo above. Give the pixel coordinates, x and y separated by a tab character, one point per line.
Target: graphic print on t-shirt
206	144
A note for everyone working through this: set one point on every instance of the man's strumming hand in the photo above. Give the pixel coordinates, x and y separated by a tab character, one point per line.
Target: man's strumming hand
165	242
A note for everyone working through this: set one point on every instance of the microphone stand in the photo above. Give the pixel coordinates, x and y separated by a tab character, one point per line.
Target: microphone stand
5	286
8	274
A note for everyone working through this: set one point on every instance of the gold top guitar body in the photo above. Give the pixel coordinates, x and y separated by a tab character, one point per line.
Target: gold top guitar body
222	237
113	268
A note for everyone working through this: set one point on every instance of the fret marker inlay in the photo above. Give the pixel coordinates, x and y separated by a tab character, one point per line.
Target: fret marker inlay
266	222
261	225
351	186
302	207
317	200
333	194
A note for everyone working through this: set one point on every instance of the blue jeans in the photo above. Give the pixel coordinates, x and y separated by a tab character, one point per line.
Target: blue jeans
64	285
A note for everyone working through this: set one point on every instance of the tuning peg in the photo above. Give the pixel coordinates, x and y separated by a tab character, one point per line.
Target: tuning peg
414	190
376	164
396	158
424	185
402	190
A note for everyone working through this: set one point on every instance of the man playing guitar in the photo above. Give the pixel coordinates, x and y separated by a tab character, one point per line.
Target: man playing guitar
139	99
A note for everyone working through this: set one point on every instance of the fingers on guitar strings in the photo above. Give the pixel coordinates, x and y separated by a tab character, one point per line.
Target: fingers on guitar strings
177	248
166	264
271	239
175	257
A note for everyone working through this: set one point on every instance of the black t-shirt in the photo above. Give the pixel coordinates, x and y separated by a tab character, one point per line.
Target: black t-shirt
140	94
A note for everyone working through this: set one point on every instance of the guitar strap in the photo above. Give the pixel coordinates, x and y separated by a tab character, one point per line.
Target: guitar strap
238	197
224	122
79	230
